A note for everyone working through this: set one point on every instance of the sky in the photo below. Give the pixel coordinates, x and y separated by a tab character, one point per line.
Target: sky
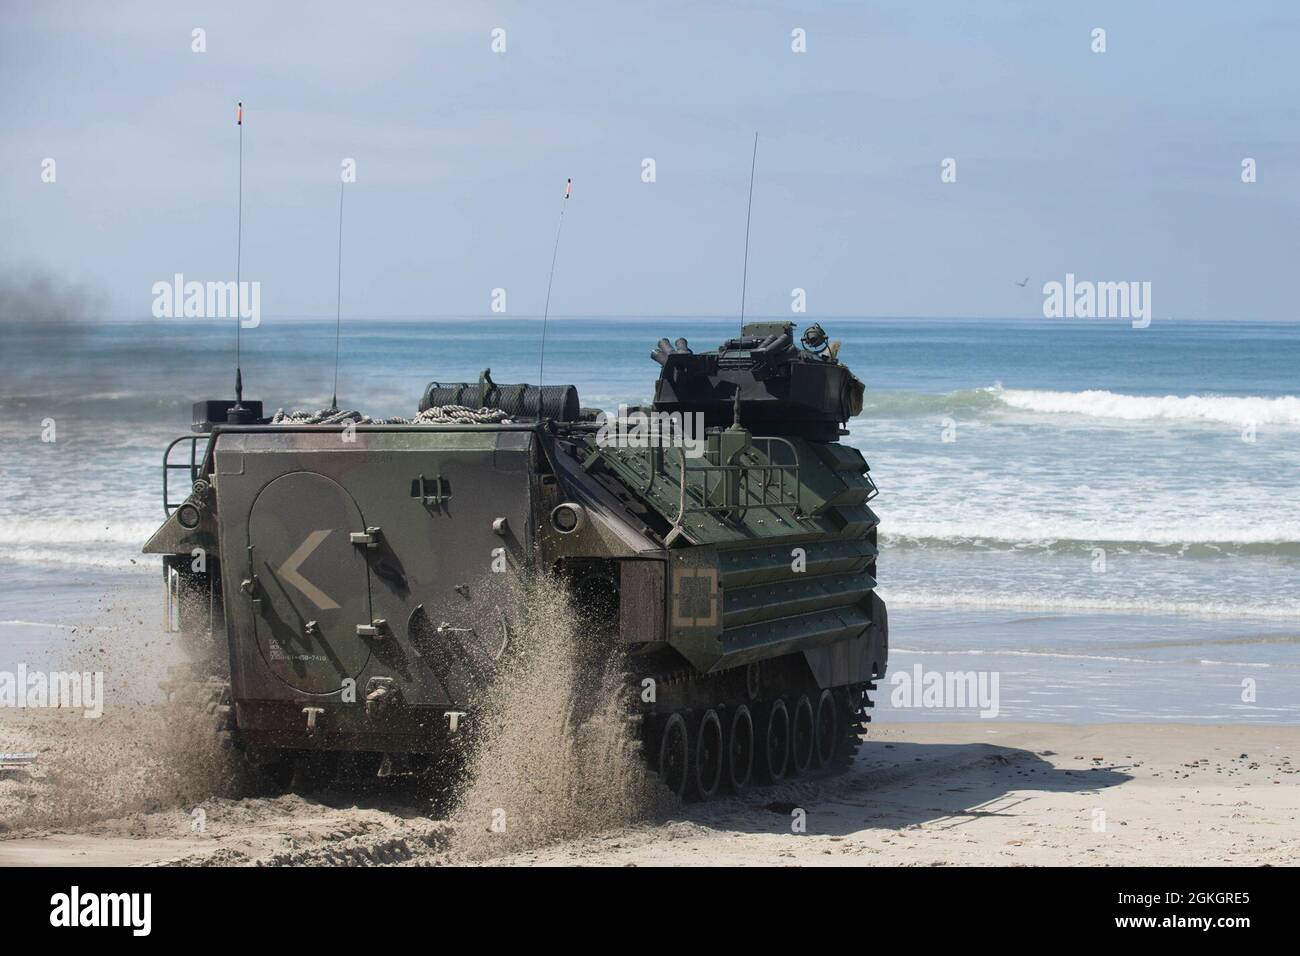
1122	165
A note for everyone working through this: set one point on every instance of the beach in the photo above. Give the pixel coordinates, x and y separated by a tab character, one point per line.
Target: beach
918	794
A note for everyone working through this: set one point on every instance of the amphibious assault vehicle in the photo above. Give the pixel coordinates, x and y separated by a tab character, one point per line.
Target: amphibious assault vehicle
335	574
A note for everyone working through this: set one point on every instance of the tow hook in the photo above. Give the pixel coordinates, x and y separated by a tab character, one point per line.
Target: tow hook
381	693
314	714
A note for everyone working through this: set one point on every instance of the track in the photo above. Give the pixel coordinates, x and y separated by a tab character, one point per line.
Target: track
705	735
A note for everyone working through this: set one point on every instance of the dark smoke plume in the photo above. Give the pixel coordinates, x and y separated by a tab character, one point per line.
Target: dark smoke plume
35	296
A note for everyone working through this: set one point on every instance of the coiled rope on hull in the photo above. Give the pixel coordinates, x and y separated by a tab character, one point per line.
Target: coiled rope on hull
437	415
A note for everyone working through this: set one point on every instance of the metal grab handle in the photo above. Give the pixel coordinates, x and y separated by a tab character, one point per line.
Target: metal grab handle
420	486
192	466
746	497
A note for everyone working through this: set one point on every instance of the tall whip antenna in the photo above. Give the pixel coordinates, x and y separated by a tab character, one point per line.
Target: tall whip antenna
744	278
338	308
239	249
546	312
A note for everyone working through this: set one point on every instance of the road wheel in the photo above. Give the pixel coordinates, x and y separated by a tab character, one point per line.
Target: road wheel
776	741
706	777
674	749
802	736
826	729
739	765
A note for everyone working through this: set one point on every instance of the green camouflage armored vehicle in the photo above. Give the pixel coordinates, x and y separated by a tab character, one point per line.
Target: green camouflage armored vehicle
334	575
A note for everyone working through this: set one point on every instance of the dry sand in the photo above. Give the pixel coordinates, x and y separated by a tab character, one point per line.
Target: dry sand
919	794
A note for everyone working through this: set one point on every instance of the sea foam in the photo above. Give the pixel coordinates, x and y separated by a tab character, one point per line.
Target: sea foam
1099	403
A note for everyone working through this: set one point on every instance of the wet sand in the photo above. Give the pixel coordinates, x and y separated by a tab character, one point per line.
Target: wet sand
978	793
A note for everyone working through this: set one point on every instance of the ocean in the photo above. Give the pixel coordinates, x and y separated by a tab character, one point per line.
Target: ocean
1105	518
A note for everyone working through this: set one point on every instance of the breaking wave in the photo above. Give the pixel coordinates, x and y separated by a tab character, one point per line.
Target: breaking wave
1098	403
74	531
100	560
887	404
1090	403
90	543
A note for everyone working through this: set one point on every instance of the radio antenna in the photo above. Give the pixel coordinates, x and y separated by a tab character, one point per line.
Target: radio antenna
744	276
338	308
239	249
546	312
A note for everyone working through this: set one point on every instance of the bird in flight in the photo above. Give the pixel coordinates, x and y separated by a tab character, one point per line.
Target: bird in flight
1024	282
